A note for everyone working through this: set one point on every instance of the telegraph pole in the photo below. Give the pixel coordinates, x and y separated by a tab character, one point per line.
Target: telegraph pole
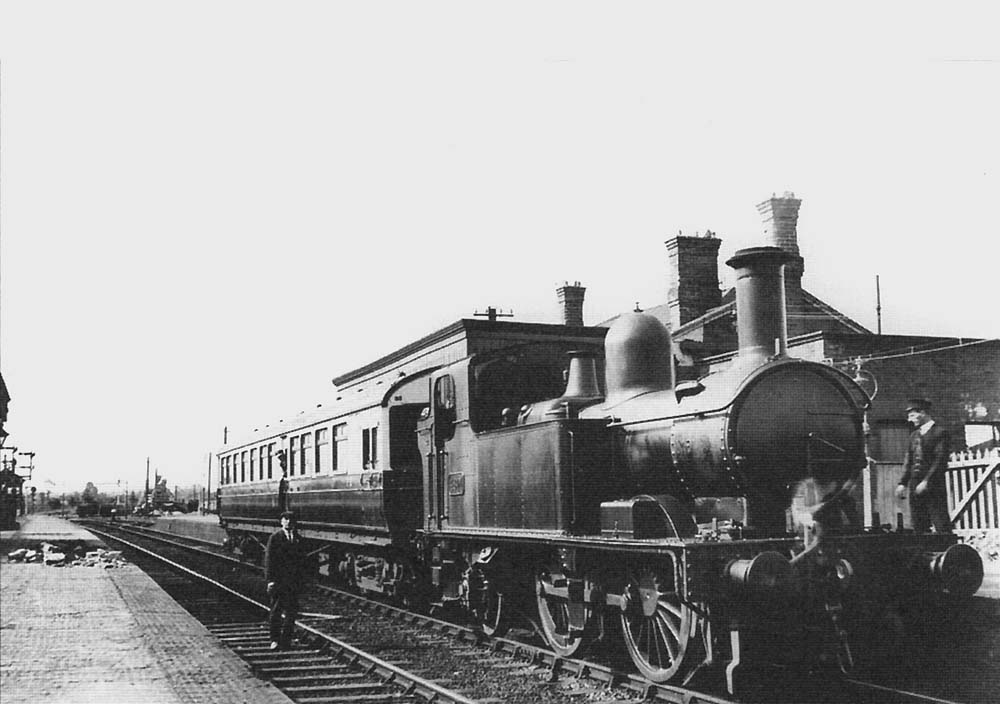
878	304
208	492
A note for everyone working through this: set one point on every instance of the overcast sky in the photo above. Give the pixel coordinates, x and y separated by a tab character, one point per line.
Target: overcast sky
210	209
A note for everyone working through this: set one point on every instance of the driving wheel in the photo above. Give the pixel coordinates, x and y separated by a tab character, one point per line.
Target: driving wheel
659	629
554	614
486	603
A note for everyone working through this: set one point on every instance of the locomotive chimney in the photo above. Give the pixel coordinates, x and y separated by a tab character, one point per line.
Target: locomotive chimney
571	302
581	381
760	302
638	357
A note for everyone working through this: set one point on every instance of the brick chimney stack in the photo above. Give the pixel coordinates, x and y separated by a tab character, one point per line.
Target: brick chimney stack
780	216
571	302
692	277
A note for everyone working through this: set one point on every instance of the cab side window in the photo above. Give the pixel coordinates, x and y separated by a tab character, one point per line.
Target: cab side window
445	412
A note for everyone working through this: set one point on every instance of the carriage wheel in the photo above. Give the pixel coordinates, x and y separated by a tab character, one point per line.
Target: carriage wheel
486	603
554	615
657	626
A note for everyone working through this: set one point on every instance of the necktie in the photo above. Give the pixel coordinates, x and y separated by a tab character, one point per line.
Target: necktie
918	451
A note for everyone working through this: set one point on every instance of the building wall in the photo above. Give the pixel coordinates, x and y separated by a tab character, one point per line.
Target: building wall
962	381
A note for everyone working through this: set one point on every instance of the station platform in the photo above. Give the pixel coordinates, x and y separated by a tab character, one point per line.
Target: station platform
37	528
80	635
193	525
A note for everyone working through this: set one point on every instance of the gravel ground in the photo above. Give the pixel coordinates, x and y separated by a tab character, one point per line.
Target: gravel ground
477	672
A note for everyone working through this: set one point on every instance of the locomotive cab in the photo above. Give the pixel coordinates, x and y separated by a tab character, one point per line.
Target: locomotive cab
504	450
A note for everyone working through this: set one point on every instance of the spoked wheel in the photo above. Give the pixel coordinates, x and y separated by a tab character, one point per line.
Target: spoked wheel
658	628
486	603
553	612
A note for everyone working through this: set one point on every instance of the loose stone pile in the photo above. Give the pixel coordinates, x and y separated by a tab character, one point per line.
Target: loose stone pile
987	542
68	556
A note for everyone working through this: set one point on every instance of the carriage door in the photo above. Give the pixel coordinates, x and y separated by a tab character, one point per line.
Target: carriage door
437	457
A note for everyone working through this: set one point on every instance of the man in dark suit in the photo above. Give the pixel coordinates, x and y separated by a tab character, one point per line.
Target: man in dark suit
924	467
284	565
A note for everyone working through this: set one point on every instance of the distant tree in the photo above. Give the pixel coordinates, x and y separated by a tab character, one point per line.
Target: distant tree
90	494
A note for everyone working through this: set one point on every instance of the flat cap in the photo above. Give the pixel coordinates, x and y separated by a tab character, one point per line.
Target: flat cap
918	404
288	514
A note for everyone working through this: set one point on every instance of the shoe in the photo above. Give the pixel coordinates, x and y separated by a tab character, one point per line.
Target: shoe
274	645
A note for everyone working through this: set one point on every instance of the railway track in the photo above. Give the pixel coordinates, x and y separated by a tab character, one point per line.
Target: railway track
458	657
516	669
316	669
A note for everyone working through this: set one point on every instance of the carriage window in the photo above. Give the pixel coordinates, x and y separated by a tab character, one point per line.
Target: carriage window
369	447
293	451
307	456
270	456
321	445
225	470
243	466
253	462
339	447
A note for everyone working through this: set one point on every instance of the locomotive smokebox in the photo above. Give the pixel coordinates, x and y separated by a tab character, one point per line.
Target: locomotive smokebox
761	316
638	357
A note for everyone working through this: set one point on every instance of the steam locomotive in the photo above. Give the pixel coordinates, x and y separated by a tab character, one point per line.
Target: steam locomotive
704	525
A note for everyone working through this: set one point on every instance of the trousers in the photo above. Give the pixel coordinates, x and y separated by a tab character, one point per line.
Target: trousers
284	611
930	509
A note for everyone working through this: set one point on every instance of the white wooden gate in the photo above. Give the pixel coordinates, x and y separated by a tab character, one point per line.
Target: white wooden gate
973	482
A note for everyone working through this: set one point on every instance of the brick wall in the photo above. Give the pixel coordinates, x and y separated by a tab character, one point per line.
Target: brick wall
692	277
962	380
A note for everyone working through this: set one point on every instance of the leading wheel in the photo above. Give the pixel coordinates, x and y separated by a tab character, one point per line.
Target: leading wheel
486	603
553	612
659	628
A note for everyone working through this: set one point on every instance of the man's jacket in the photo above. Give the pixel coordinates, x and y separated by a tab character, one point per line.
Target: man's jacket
284	560
926	459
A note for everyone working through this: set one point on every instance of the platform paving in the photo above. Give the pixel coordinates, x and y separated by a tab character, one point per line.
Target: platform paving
88	635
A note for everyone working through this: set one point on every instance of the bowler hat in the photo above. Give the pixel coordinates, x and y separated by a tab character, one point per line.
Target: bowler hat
918	404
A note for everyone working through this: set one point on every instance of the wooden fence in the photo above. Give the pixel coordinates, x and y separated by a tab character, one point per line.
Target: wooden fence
973	481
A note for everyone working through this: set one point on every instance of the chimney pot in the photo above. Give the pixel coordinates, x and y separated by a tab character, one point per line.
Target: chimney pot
780	216
692	277
571	303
